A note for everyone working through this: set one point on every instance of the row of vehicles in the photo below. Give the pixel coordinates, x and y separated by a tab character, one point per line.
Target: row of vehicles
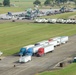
40	48
13	17
33	13
63	21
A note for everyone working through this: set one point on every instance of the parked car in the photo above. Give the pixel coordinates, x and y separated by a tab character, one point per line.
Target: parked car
6	17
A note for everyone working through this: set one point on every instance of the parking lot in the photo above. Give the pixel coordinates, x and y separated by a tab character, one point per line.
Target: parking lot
35	13
10	65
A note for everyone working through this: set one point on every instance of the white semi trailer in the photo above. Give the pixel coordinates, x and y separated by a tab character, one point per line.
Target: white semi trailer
56	39
53	42
64	39
44	42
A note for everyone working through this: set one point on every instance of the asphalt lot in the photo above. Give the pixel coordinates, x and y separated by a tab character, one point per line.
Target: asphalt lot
38	64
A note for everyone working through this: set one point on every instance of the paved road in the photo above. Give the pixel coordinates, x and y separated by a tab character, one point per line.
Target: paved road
38	64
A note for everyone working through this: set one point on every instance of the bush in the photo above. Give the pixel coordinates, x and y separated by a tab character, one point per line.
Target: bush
47	2
37	2
6	2
1	4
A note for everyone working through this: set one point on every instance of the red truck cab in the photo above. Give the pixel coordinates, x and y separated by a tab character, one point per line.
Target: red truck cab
40	52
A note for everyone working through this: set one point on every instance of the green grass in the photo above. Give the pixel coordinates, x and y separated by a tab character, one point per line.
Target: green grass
20	6
64	15
69	70
13	36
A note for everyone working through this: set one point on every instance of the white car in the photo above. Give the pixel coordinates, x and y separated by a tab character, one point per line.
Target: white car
38	20
5	17
21	18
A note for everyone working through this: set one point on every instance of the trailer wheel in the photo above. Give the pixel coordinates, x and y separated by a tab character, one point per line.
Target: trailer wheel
55	46
66	41
58	45
52	51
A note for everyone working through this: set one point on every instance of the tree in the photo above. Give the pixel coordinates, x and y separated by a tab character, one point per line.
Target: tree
74	1
0	4
47	2
37	2
61	1
57	1
6	2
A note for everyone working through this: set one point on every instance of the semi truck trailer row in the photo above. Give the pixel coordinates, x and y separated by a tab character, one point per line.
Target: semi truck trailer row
41	48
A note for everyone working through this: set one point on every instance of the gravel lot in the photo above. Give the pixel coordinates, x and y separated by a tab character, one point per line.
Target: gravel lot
38	64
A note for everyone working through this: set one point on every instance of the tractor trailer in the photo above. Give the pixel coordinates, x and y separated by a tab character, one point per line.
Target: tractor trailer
60	40
64	39
24	49
33	50
45	49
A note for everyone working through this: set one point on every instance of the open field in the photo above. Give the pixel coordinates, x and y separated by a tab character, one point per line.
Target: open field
69	70
13	36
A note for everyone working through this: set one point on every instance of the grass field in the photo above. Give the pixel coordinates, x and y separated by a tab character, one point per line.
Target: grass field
64	15
69	70
20	5
13	36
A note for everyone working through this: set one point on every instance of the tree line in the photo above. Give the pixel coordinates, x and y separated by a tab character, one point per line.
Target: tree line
38	2
51	2
5	3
